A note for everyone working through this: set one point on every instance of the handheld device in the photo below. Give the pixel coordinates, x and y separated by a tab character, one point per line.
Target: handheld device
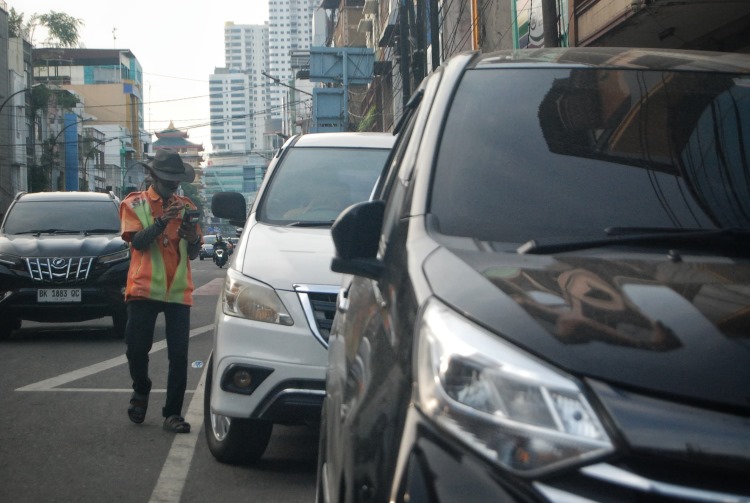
191	217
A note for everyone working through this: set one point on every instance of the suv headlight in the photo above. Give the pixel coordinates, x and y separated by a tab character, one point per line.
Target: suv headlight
253	300
10	261
113	258
510	407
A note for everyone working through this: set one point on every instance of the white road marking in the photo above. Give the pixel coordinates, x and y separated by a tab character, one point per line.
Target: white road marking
175	470
52	383
213	287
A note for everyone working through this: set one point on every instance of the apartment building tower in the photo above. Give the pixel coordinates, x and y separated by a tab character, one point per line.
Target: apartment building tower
290	31
239	91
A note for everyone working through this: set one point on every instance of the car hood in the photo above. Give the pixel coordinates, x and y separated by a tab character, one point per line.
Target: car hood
62	245
286	256
680	329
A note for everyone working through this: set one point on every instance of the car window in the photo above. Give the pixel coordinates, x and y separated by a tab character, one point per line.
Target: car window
405	153
74	216
209	239
577	151
316	184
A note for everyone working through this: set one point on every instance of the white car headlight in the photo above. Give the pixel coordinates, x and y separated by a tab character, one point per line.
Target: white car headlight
253	300
509	406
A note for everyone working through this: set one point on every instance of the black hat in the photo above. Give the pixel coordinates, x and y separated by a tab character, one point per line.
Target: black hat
167	165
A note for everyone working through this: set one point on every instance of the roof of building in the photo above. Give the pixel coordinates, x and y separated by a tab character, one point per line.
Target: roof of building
65	56
176	142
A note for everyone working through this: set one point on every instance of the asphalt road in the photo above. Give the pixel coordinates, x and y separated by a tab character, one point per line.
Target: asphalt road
65	435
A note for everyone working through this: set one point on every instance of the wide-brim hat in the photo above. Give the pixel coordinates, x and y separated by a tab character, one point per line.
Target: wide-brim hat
168	165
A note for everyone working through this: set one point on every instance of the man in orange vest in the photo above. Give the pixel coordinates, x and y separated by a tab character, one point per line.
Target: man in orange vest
162	243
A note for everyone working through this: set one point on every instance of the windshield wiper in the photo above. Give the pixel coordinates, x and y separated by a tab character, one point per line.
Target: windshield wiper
49	231
652	236
629	231
311	223
101	231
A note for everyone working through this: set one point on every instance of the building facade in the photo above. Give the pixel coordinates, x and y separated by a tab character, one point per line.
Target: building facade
290	29
108	84
240	113
411	39
239	98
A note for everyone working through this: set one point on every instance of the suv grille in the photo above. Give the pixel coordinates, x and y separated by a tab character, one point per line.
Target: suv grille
319	304
324	307
60	270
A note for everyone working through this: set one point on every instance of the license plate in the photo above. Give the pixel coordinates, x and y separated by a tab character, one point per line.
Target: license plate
58	295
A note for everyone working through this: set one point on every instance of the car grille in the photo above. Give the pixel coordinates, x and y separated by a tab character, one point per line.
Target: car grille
319	304
60	270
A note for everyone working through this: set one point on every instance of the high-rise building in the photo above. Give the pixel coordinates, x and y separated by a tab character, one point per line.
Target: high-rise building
239	108
239	91
290	31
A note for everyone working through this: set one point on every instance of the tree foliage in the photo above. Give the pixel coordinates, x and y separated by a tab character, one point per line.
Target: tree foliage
63	29
15	23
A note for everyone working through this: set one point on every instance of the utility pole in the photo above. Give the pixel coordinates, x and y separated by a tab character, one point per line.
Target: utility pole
549	22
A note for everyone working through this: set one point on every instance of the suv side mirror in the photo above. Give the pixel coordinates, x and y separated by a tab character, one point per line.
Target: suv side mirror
230	205
356	233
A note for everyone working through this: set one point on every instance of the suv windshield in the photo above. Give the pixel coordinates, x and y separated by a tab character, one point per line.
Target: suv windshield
62	216
313	185
579	151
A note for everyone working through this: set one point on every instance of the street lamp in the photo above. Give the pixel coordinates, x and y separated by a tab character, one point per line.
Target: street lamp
54	142
85	163
18	92
278	81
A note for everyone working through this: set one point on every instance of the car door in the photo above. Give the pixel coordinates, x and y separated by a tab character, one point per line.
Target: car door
370	394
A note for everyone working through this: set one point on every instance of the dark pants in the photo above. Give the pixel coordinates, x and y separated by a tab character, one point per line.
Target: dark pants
139	336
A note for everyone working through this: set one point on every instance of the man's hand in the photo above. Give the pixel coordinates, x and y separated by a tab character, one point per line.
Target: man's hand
172	211
188	232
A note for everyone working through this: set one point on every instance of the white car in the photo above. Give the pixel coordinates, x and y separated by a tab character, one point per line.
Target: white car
272	320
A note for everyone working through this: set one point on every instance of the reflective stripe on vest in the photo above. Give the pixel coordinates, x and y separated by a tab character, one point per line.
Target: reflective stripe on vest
158	288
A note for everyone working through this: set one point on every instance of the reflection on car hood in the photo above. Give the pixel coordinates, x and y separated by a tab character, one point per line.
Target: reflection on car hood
63	245
284	256
644	322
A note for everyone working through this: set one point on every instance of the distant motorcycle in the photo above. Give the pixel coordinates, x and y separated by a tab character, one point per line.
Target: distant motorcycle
220	257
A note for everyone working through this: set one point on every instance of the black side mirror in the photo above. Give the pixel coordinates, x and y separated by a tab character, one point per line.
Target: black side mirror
356	233
231	206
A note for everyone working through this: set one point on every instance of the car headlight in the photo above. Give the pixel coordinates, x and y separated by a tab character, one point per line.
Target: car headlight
11	261
509	406
113	258
253	300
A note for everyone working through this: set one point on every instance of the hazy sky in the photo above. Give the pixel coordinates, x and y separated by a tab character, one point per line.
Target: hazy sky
178	44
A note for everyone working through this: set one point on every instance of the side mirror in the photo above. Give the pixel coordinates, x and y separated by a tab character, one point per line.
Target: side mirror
356	233
231	206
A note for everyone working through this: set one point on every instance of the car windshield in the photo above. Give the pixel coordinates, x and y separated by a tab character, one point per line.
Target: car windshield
578	151
313	185
62	216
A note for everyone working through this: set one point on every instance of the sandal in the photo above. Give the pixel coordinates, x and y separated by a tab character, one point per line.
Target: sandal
176	424
138	408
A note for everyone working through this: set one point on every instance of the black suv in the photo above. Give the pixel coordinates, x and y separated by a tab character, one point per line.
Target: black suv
62	260
551	288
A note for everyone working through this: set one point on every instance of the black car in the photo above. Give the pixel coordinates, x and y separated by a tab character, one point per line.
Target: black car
62	260
207	248
549	296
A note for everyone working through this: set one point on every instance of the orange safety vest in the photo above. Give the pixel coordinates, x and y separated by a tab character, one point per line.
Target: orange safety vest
162	272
